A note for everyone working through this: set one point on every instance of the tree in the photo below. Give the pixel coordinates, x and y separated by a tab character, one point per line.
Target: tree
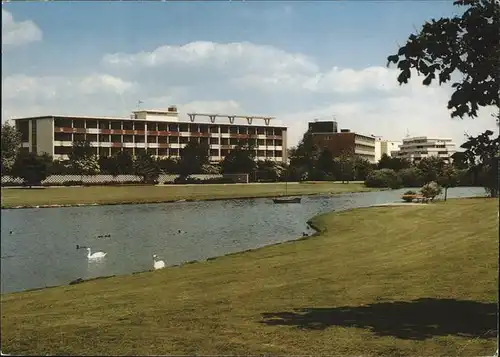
193	156
169	165
431	168
468	45
304	157
109	165
83	158
11	144
362	168
482	155
345	167
411	177
431	190
447	177
32	168
241	159
393	163
270	170
325	165
147	167
124	162
460	160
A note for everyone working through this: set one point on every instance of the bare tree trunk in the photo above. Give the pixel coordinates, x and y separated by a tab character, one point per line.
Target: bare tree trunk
445	193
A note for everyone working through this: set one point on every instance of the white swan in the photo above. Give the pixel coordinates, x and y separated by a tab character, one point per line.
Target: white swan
96	255
158	264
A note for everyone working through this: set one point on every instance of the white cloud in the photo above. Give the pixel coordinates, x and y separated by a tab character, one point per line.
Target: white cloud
17	33
247	79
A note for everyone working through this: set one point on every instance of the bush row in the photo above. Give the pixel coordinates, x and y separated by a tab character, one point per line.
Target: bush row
411	177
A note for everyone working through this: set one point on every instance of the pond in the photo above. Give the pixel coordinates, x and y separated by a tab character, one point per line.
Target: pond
41	251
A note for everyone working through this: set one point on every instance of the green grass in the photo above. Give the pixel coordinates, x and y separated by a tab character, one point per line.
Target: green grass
149	194
386	281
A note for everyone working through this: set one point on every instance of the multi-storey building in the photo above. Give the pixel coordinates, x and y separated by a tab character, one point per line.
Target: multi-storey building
417	148
325	135
390	148
158	132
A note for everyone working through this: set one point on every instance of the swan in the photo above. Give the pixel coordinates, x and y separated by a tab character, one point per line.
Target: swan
158	264
96	255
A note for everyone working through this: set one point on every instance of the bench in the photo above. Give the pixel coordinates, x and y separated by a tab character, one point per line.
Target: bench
417	198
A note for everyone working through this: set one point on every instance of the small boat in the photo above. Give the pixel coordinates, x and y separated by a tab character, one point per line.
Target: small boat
287	200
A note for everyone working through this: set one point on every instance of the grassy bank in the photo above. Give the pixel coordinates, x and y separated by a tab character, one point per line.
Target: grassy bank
388	281
12	197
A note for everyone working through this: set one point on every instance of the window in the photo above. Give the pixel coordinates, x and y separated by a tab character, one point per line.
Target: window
92	124
162	127
104	138
128	138
214	152
128	125
162	152
224	141
116	125
233	130
138	125
214	141
62	137
92	137
152	126
224	129
183	139
173	127
152	139
194	128
78	123
104	152
62	150
173	139
183	127
103	124
162	139
214	129
139	139
174	152
116	138
78	137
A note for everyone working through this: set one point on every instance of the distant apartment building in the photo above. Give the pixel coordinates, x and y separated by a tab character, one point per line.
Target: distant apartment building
161	133
390	148
417	148
326	135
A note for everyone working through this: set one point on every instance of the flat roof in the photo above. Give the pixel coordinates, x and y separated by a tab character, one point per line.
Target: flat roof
166	120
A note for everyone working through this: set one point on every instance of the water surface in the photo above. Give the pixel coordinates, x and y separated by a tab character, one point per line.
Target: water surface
42	249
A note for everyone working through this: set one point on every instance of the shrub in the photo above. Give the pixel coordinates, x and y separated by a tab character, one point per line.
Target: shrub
383	178
431	190
411	177
409	195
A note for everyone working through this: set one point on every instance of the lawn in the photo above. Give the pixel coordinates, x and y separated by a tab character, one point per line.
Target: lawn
385	281
150	194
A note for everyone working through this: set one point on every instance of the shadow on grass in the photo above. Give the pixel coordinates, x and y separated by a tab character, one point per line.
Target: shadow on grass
415	320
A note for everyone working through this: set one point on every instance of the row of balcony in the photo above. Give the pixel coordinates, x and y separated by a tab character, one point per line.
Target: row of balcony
173	127
222	152
162	133
69	144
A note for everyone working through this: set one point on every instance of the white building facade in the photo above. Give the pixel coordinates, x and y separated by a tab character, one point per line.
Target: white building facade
390	148
156	132
417	148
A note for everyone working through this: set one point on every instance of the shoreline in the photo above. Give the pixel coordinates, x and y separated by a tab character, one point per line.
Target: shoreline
181	200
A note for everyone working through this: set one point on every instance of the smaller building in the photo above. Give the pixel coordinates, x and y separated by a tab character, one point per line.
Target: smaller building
417	148
390	148
325	135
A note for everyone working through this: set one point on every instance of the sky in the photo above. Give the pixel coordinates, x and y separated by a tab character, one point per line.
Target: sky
296	61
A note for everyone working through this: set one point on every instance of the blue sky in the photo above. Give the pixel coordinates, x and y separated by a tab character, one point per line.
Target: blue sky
295	60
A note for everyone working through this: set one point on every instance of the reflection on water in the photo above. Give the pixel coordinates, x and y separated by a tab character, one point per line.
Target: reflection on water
42	249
